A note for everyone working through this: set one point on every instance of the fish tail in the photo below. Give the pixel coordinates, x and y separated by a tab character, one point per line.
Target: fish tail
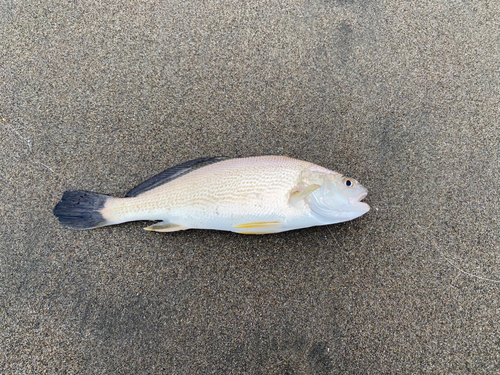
81	209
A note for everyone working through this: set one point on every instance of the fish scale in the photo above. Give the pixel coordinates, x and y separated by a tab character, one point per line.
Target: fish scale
228	183
263	194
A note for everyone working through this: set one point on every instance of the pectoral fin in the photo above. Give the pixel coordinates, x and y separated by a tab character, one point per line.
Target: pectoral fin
258	227
299	195
164	227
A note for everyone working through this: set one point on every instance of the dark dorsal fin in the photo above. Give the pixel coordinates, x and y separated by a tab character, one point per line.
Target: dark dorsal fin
171	174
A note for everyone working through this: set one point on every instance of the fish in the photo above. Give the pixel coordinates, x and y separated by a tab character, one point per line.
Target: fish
247	195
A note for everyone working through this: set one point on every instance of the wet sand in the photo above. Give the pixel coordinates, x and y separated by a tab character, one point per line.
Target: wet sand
401	95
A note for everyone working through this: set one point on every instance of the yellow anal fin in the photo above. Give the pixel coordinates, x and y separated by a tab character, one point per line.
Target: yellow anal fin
164	227
299	195
259	225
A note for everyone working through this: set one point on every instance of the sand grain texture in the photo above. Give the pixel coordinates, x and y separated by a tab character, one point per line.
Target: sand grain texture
401	95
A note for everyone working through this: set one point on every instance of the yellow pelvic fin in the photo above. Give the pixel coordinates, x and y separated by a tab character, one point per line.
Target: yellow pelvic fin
259	225
299	195
163	227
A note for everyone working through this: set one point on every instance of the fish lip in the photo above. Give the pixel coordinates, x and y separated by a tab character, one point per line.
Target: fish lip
356	201
358	198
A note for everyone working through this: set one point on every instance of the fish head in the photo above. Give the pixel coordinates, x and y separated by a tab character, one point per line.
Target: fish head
339	198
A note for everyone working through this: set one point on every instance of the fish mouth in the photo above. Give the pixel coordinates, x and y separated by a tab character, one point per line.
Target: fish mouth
356	202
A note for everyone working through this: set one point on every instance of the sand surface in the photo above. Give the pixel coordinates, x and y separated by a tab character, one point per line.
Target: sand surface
401	95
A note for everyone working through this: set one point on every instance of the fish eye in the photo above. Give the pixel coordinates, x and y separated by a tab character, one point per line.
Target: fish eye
348	182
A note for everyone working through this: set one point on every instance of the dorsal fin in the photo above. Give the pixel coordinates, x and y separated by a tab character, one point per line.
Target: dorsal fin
171	174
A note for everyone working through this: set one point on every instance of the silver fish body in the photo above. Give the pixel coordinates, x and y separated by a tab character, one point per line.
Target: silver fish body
253	195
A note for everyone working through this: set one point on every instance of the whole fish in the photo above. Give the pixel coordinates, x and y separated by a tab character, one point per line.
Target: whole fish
251	195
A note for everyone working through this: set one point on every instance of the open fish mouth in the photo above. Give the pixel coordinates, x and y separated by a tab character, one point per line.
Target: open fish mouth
356	201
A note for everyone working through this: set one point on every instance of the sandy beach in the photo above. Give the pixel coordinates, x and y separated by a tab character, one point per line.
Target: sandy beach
400	95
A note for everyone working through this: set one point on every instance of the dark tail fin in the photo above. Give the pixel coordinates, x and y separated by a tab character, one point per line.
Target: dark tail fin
80	209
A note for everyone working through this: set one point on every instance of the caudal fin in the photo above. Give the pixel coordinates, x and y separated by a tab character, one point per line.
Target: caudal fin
80	209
